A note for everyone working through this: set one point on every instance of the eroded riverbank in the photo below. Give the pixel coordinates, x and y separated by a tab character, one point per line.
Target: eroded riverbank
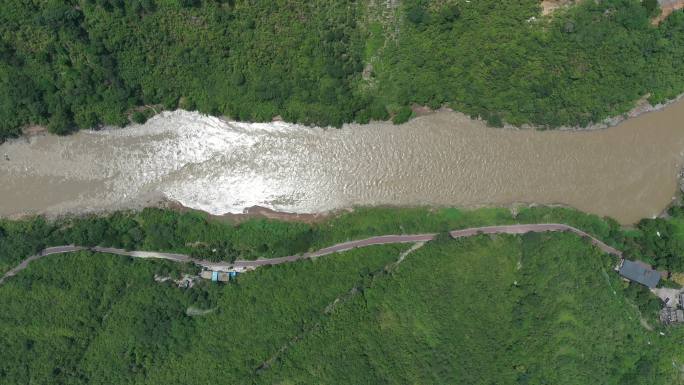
444	159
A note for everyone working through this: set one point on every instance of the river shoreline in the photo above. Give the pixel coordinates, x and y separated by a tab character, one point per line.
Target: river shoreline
256	212
261	212
284	171
642	106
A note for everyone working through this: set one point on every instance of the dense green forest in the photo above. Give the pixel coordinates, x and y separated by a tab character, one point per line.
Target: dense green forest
536	310
85	63
485	310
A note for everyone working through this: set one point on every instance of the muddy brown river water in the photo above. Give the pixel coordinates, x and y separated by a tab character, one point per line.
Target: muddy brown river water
627	172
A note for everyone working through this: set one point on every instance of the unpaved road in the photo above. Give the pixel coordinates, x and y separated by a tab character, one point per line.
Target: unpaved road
534	228
377	240
48	251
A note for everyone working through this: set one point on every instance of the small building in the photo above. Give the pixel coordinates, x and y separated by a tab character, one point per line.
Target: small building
640	272
218	276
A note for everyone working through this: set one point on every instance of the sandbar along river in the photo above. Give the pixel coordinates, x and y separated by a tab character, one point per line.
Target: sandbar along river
445	159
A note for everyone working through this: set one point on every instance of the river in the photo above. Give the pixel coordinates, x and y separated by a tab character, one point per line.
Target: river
627	172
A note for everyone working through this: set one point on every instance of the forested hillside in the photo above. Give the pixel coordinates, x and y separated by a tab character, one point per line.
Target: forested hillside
485	310
74	64
504	310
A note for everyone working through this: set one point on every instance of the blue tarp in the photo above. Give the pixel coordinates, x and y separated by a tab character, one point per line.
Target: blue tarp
214	276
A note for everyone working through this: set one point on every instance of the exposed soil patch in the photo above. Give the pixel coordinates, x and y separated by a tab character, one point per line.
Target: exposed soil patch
193	311
549	6
645	324
264	212
34	130
668	296
667	7
419	110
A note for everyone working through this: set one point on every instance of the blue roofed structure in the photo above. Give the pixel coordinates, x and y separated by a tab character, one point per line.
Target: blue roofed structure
218	276
640	272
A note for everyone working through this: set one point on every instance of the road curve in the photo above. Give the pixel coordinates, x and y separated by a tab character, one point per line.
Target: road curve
534	228
377	240
44	253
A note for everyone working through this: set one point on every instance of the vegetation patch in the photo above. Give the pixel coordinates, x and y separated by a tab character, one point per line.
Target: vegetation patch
461	312
79	64
482	310
657	241
94	318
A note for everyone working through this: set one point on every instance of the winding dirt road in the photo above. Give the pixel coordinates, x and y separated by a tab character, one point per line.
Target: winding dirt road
44	253
535	228
377	240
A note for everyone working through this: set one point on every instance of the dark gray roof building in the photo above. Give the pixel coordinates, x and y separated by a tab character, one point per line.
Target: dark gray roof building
640	272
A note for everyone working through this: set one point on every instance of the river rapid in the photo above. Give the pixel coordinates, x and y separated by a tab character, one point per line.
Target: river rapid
445	159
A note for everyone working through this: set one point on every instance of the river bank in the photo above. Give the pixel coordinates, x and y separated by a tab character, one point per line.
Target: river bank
642	106
240	266
192	236
256	212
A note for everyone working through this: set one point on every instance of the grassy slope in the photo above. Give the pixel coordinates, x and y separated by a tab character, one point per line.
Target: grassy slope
68	319
451	313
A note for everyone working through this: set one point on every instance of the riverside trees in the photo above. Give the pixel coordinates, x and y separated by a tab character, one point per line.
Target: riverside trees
76	64
71	64
656	241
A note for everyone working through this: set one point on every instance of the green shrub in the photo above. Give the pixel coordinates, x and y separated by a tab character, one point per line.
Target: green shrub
402	116
139	117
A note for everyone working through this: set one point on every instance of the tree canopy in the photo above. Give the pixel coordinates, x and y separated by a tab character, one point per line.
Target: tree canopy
69	64
533	309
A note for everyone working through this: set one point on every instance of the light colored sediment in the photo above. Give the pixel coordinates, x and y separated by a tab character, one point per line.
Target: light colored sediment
32	130
550	6
667	7
259	212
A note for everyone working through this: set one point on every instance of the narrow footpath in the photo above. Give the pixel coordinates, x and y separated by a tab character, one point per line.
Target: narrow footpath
242	265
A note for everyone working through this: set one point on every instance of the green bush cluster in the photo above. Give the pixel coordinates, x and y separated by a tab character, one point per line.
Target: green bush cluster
77	64
542	308
86	63
92	318
503	62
